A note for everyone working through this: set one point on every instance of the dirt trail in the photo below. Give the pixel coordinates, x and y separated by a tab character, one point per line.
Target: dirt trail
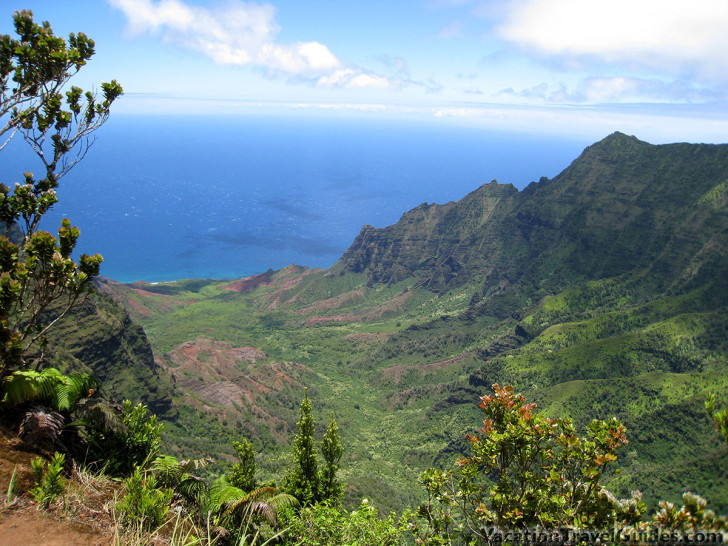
28	527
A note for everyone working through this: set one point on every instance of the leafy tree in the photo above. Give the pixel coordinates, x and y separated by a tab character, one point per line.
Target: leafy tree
303	480
242	473
526	470
331	487
36	268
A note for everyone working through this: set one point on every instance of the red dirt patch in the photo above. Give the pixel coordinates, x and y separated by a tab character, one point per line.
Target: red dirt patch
230	375
30	528
335	302
250	283
213	359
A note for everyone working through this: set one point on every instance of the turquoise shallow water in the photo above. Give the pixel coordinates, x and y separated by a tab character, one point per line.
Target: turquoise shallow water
169	198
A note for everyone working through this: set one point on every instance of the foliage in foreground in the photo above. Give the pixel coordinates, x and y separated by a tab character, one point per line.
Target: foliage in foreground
529	472
525	471
135	443
36	267
49	386
143	502
324	524
305	481
49	479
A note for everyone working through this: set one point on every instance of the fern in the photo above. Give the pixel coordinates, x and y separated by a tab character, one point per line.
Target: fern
174	474
49	386
234	504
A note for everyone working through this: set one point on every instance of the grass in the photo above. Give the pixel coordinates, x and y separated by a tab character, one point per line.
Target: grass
11	496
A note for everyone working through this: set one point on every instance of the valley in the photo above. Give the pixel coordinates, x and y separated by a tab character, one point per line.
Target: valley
601	292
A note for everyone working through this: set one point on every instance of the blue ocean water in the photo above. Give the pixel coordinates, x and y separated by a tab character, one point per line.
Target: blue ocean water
165	198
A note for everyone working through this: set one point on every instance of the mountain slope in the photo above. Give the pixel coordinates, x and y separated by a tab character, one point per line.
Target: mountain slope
623	204
603	291
98	337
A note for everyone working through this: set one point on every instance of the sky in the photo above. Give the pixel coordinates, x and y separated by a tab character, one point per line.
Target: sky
654	68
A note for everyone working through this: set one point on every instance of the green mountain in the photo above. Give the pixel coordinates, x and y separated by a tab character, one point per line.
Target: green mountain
601	292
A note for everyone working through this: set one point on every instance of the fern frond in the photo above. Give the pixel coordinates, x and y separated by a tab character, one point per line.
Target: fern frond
168	470
192	488
28	386
48	386
263	502
70	388
222	493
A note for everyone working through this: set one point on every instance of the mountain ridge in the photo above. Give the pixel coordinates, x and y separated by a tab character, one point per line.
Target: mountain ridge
530	227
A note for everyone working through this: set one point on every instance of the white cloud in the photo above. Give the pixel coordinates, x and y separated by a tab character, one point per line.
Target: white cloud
241	34
663	34
342	106
617	89
660	124
349	78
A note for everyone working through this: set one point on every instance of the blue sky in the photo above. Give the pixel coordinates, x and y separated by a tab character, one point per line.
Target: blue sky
654	68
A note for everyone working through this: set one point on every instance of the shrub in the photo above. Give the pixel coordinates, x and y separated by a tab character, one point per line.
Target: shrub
49	482
242	473
143	504
526	470
323	524
133	444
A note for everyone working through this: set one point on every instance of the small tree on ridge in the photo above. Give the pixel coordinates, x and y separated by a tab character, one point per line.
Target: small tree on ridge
36	267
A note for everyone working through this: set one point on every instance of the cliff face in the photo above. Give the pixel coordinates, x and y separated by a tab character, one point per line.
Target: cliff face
98	337
432	242
622	205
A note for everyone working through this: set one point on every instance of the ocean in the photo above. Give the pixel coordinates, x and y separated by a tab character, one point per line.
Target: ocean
164	198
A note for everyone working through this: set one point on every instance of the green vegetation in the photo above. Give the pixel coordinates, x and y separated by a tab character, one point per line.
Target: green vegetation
602	292
719	417
49	386
123	444
242	473
36	268
527	471
331	449
143	504
303	480
524	471
324	524
49	480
